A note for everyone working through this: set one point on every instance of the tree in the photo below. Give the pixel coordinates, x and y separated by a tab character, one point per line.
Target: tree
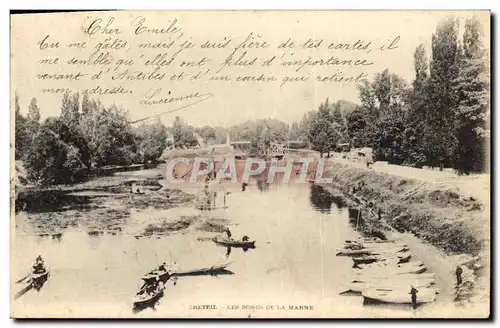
70	109
33	118
443	72
117	144
183	134
472	99
21	136
207	133
382	90
92	128
86	105
340	122
265	140
153	140
416	130
323	134
50	158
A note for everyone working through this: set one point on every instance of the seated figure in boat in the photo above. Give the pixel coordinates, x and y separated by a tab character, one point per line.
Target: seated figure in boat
228	233
152	288
38	267
163	267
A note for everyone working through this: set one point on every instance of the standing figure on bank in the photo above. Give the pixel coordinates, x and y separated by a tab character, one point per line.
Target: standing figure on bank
458	273
413	293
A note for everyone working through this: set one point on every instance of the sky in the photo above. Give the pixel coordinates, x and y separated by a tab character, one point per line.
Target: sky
229	102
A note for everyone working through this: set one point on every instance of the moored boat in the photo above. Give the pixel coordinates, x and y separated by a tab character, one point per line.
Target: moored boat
399	296
398	258
204	271
384	265
359	244
389	285
395	277
371	251
405	268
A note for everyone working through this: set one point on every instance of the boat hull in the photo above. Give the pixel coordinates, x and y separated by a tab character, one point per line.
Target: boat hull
234	243
402	296
399	258
147	301
372	251
359	287
417	269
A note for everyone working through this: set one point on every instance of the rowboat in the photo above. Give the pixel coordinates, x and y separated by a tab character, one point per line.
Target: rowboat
404	268
400	296
165	275
38	279
385	264
401	258
374	240
234	243
389	285
352	244
370	251
143	299
40	275
205	271
156	275
405	277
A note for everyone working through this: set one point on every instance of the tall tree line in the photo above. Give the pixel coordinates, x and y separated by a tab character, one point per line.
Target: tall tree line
86	135
440	119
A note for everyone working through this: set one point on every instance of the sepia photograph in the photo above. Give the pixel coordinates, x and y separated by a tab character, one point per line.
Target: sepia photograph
250	164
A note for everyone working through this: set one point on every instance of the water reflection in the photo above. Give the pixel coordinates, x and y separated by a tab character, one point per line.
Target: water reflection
263	186
42	201
57	237
322	200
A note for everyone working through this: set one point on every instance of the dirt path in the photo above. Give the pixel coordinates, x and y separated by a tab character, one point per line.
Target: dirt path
477	186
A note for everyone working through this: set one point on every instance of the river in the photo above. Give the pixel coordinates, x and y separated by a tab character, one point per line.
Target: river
292	272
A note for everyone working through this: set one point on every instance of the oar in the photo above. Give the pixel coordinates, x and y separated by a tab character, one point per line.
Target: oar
23	279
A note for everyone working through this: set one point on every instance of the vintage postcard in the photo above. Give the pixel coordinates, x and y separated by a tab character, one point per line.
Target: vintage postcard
250	164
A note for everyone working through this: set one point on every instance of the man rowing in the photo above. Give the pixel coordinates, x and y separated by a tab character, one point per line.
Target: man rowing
228	233
38	267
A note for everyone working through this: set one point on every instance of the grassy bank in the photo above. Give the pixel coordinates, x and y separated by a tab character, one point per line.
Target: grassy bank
443	218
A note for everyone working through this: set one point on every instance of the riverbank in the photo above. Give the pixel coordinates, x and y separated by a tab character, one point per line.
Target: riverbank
454	228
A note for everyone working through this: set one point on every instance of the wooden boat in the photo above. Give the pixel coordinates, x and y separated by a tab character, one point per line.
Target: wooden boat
400	296
165	275
205	271
393	270
371	251
383	265
234	243
156	274
359	287
367	244
143	299
401	258
40	275
374	240
38	279
395	278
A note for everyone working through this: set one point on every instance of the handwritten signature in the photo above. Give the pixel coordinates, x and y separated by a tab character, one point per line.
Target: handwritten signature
153	97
